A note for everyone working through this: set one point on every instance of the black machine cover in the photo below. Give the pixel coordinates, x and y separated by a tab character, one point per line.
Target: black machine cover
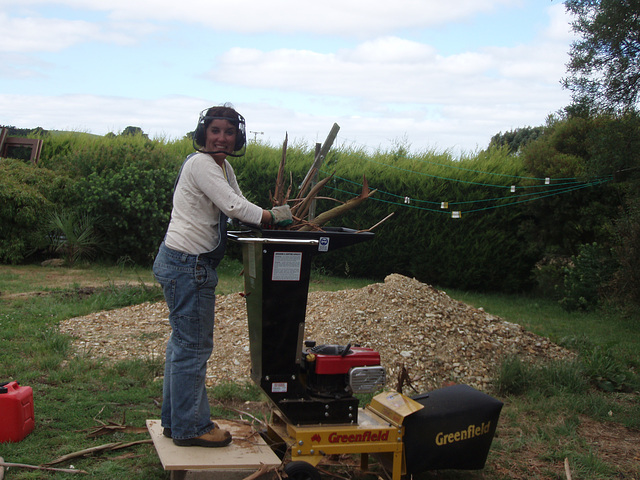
454	430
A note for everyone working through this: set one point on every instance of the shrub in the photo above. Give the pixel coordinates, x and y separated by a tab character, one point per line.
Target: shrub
590	271
27	195
549	274
72	235
517	377
606	372
133	205
514	377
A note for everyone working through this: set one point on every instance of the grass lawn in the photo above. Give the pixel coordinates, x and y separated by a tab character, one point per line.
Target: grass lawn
587	412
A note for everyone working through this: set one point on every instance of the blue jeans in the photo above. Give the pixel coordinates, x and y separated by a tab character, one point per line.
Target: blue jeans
189	284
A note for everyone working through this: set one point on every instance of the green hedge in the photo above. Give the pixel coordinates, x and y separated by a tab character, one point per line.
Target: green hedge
482	249
125	184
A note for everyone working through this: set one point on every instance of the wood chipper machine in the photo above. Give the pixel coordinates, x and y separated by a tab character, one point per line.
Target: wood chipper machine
312	388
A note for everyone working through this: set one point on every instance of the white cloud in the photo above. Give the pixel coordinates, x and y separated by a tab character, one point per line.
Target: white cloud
42	34
37	34
386	87
559	28
329	17
388	50
17	67
370	72
171	116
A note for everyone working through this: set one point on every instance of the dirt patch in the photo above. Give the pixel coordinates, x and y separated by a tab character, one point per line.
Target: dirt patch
84	291
614	443
41	280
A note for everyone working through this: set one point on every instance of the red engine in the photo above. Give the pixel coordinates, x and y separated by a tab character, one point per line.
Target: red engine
342	370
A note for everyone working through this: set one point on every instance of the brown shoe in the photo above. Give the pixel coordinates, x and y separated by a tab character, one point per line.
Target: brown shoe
166	431
213	438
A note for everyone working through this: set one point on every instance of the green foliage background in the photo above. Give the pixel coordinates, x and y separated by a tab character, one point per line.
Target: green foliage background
505	240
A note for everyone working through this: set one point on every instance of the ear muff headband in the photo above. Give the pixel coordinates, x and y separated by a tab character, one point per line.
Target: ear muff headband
199	135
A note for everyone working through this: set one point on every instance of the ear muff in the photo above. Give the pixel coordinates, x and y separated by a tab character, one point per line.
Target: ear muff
199	135
241	136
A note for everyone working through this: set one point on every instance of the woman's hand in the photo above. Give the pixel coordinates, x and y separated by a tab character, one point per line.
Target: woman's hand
281	216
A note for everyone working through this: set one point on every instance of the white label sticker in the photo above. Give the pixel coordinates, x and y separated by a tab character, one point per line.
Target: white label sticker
286	266
323	244
279	387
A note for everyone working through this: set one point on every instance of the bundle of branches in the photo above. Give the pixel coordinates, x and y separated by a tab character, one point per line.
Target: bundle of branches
308	194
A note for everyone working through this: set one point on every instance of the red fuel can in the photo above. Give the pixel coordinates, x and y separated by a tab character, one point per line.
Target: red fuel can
16	412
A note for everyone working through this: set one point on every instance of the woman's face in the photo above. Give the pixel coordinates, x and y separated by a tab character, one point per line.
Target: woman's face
221	137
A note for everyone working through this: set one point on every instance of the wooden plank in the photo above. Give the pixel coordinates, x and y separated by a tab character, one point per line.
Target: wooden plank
34	143
3	135
319	158
35	152
314	180
248	451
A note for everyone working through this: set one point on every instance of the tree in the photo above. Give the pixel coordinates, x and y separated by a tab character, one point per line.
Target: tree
516	139
604	66
132	131
602	152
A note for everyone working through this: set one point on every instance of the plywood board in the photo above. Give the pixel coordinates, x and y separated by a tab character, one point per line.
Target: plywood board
247	451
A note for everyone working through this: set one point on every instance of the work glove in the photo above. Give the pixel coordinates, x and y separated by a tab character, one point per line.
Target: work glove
281	216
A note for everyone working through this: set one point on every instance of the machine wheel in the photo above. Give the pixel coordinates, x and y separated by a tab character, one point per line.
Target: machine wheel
299	470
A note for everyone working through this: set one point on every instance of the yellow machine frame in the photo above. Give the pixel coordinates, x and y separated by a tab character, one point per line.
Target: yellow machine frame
379	430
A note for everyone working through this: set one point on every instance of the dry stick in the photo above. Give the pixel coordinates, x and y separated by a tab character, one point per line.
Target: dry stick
109	429
86	451
383	220
312	206
339	210
303	208
278	196
101	410
253	417
404	378
300	223
261	471
99	448
286	198
37	467
324	150
242	412
298	205
300	200
566	468
303	204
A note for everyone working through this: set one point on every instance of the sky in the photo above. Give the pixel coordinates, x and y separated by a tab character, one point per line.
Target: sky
422	74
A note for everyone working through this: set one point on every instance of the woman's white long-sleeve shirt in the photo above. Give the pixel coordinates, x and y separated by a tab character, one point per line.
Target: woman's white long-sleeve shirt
201	193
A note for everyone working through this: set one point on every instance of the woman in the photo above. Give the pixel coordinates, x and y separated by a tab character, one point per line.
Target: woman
206	194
